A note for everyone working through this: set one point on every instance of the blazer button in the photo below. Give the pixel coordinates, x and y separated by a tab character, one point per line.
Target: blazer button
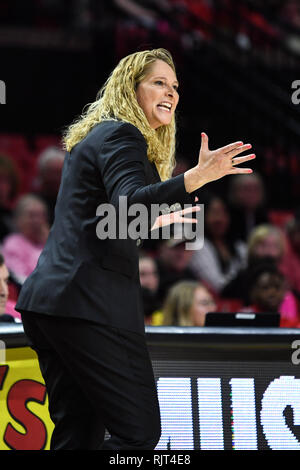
138	242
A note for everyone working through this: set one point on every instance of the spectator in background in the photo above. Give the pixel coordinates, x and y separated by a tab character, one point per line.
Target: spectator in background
220	259
246	204
290	265
22	249
265	242
50	164
4	278
149	279
172	263
187	304
9	187
267	288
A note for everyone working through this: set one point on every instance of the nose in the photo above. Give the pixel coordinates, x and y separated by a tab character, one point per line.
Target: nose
170	91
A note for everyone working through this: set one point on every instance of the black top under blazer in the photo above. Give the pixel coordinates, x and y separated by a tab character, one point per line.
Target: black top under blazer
78	274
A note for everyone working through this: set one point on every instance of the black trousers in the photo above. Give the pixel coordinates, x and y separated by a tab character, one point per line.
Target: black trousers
97	377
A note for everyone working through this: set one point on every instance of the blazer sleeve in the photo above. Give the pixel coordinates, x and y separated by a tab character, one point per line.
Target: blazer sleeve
121	161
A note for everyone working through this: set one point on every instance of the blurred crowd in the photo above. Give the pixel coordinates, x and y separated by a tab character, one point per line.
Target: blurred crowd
250	260
25	216
198	18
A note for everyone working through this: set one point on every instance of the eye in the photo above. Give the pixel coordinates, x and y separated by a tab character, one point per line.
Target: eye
162	83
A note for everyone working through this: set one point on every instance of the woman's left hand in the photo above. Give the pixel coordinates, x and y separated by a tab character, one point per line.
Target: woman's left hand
176	217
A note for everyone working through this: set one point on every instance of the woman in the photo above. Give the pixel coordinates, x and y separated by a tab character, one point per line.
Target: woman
221	257
290	264
22	248
187	304
82	306
247	205
267	287
266	243
149	280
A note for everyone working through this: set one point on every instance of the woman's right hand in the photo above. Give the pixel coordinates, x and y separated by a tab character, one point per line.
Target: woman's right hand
219	163
214	164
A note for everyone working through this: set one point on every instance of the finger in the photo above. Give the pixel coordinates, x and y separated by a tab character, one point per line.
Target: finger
188	210
238	150
196	199
236	171
204	142
239	160
230	147
187	220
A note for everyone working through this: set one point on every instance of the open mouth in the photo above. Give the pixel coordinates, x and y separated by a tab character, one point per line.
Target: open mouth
165	106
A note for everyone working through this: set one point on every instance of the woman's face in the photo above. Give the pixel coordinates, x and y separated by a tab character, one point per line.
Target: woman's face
203	303
176	257
33	220
269	246
268	292
148	274
217	218
249	193
157	94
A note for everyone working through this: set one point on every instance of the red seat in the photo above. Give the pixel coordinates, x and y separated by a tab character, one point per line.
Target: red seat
279	217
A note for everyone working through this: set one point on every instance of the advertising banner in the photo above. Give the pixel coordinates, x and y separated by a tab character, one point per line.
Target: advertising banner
25	423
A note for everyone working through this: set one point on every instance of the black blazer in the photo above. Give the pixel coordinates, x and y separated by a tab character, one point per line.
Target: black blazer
78	274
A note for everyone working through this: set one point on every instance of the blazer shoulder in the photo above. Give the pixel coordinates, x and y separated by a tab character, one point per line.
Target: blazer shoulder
110	130
120	143
126	129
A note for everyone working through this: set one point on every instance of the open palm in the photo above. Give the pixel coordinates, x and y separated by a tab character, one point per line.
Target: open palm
218	163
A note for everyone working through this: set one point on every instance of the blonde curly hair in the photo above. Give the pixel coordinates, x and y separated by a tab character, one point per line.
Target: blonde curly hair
117	100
